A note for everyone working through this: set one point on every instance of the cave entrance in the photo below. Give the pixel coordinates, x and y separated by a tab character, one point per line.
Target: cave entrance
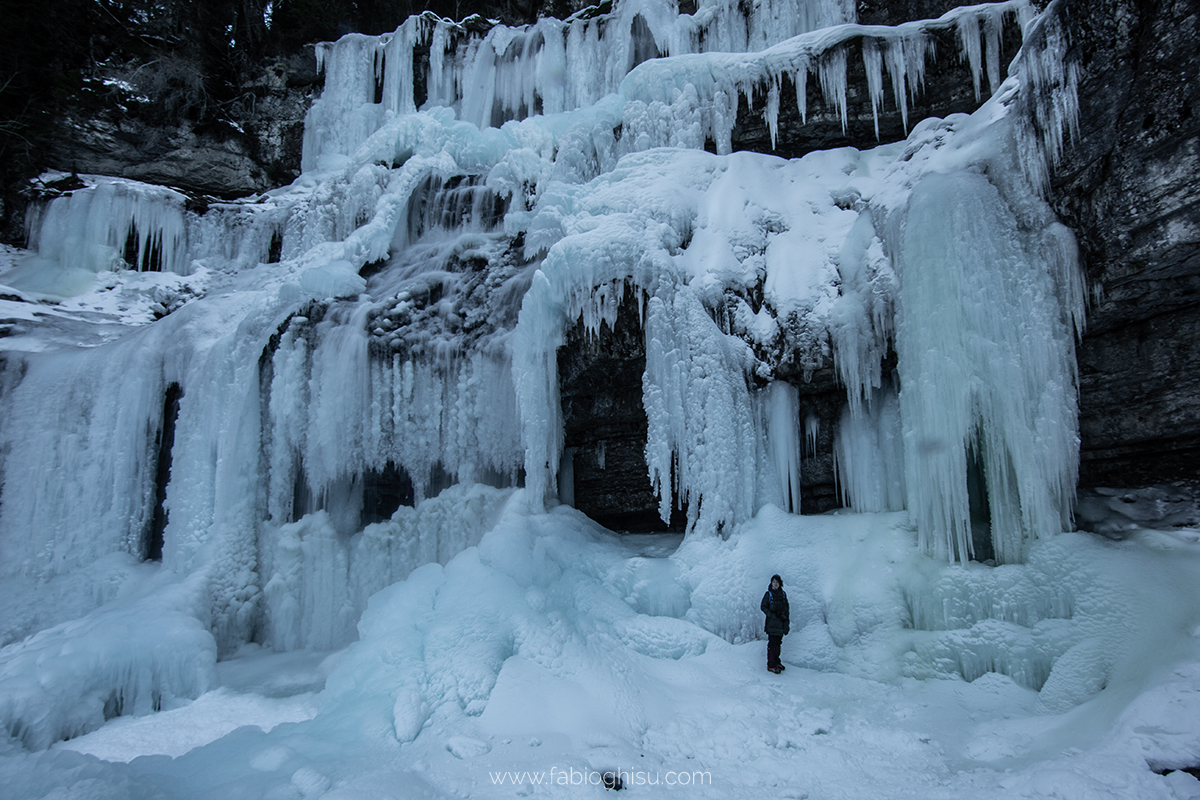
354	501
603	472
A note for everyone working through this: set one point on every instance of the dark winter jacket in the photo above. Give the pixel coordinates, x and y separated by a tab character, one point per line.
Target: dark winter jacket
775	606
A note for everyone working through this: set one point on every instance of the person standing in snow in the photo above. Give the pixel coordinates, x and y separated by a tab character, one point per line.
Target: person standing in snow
775	606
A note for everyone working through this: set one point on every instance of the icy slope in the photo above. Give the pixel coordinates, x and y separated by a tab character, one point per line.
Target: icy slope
554	645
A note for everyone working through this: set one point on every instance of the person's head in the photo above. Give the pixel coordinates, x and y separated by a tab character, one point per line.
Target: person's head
776	582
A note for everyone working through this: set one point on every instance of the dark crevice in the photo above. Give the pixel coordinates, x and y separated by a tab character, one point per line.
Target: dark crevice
384	491
981	520
153	544
148	261
644	46
379	73
275	251
302	497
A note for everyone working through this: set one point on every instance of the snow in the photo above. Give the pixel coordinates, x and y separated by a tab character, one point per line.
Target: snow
67	679
317	584
258	687
369	585
544	647
173	733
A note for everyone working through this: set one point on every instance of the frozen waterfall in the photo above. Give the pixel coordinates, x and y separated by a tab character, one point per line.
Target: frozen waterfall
364	362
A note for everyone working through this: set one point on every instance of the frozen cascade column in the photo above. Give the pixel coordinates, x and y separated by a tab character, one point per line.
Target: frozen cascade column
701	446
538	335
508	72
215	494
345	114
779	407
986	364
397	68
79	456
869	455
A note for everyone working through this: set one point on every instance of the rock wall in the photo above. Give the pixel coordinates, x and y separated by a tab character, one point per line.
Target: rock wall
223	159
1130	188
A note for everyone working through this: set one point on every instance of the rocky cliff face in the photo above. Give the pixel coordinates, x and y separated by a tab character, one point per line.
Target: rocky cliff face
1128	187
259	151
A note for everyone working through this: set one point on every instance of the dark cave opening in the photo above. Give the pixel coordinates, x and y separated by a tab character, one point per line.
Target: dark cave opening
384	491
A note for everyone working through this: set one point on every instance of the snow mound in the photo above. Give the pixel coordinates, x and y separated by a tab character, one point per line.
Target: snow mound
130	657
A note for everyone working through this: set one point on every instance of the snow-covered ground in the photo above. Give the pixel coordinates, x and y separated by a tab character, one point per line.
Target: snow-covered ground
555	650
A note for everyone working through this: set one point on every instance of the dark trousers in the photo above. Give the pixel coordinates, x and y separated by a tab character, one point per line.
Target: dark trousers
773	644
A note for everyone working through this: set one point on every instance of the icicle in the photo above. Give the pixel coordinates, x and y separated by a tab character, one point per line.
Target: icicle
530	52
993	31
859	321
978	381
535	377
479	85
97	227
699	413
345	114
236	234
970	42
869	456
439	91
873	63
552	73
896	54
288	419
1048	99
771	112
397	72
724	116
833	81
800	77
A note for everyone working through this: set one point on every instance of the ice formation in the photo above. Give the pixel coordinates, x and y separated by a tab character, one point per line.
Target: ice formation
344	349
111	221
